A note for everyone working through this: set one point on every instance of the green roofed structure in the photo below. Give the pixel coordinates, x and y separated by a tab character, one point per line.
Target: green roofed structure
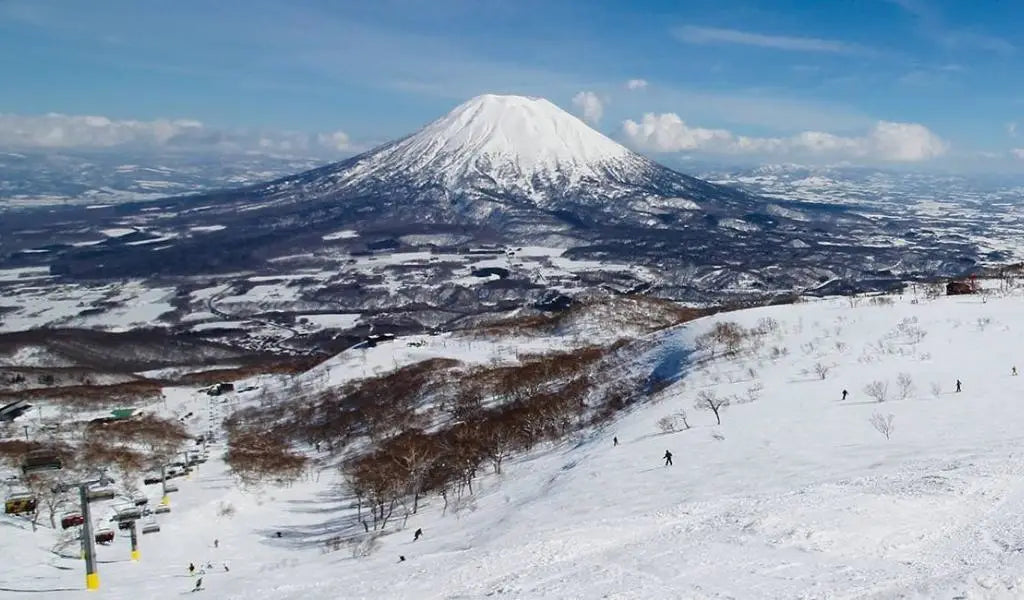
122	413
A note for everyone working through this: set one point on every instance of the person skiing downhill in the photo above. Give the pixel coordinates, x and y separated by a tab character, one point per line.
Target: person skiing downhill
958	386
417	535
844	394
615	441
668	458
191	569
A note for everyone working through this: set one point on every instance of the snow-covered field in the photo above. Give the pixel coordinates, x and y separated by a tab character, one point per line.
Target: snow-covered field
794	495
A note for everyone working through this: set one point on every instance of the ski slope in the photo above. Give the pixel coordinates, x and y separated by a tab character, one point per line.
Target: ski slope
794	495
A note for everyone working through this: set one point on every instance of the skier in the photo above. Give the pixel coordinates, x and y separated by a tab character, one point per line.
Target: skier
668	458
1013	371
845	394
278	534
216	543
226	569
615	441
958	386
401	558
191	569
417	535
199	585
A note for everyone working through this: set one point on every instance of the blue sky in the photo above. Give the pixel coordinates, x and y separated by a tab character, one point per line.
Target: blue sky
765	78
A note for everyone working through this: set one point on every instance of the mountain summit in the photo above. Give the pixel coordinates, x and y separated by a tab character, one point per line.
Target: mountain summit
494	155
511	136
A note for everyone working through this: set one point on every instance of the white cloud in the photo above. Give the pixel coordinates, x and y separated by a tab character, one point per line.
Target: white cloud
713	35
1018	153
668	133
1011	129
904	142
55	131
636	84
589	105
335	140
886	141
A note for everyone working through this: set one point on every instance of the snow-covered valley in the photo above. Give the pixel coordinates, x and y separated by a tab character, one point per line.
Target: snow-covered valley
795	495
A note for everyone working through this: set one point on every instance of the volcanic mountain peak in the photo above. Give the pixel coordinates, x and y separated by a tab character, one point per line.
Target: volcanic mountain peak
501	138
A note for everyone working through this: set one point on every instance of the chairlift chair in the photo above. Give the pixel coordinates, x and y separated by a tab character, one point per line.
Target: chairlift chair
140	500
41	460
104	536
151	526
95	494
163	509
71	519
170	488
18	504
128	512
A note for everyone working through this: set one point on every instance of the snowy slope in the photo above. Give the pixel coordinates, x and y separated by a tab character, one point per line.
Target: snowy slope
795	495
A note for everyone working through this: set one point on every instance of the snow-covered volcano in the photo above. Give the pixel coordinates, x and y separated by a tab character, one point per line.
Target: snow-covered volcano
504	138
493	154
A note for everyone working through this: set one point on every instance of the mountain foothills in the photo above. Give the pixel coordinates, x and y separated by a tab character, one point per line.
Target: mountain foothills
506	203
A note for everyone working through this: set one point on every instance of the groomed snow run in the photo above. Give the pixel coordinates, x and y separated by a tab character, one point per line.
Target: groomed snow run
794	495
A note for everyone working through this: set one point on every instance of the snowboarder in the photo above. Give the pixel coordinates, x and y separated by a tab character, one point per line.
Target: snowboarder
958	386
191	569
845	393
199	585
668	458
615	441
417	535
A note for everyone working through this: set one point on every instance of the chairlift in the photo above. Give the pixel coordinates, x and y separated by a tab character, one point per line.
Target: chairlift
151	527
95	494
128	512
104	536
152	480
124	525
163	509
140	500
170	488
18	504
41	460
71	519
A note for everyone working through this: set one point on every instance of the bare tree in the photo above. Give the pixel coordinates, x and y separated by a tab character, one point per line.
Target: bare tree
671	423
413	452
707	400
879	390
905	383
936	389
821	369
882	424
50	494
754	392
